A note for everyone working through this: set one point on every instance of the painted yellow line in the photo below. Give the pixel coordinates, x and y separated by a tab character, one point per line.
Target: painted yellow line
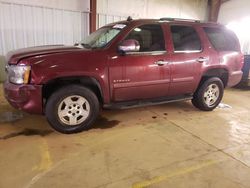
46	161
179	172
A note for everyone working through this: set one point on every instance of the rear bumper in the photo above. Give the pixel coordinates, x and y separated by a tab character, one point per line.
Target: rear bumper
24	97
234	78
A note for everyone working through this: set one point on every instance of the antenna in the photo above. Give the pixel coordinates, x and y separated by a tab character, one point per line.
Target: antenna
129	19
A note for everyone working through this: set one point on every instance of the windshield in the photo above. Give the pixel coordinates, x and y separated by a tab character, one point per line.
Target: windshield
102	36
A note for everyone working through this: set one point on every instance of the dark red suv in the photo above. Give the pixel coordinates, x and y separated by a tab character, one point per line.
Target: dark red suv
122	65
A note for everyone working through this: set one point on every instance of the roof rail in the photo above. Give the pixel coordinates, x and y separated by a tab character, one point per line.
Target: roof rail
179	19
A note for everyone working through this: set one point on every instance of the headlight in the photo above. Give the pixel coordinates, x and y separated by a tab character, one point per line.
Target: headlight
18	74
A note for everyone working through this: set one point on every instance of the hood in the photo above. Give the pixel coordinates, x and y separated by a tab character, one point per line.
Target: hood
14	56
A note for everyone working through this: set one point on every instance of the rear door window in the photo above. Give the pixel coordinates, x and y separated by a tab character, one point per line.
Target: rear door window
222	39
185	39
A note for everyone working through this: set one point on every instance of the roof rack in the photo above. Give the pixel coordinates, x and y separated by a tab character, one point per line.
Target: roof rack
179	19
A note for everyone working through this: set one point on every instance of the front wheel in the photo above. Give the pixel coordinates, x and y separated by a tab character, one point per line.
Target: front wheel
209	94
72	109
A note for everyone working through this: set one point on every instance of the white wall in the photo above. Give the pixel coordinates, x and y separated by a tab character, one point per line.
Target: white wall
78	5
26	23
193	9
236	14
234	10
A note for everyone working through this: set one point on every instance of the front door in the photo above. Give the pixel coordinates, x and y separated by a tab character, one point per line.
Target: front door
144	74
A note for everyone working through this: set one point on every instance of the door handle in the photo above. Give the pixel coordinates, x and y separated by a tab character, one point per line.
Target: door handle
202	59
161	63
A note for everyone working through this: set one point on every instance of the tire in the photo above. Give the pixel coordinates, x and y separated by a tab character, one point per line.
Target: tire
209	94
72	109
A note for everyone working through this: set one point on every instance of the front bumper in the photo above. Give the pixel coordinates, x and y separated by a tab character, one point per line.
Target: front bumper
234	78
24	97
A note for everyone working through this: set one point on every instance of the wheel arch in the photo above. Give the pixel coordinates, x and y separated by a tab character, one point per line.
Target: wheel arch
87	81
221	73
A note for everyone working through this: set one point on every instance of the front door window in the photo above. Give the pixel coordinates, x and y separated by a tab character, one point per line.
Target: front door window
150	37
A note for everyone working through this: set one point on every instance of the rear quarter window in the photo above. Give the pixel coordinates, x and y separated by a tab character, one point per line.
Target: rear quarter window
222	39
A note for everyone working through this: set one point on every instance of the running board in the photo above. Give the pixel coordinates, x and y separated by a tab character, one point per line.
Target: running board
142	103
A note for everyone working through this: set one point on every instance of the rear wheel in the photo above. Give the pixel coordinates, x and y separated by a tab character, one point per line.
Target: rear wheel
209	94
72	109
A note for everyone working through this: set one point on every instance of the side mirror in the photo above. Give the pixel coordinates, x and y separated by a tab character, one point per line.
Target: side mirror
129	45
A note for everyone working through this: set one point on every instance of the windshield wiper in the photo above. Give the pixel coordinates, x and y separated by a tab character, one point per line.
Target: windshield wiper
86	45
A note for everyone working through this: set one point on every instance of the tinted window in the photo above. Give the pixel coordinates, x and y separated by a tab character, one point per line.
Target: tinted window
185	38
221	39
150	37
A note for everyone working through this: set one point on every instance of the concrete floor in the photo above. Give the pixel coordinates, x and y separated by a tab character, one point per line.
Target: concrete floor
172	145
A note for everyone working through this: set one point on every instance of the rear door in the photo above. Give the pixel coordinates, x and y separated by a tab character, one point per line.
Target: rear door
186	59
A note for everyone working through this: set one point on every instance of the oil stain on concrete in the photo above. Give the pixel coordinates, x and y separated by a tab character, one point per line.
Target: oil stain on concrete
27	132
104	123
